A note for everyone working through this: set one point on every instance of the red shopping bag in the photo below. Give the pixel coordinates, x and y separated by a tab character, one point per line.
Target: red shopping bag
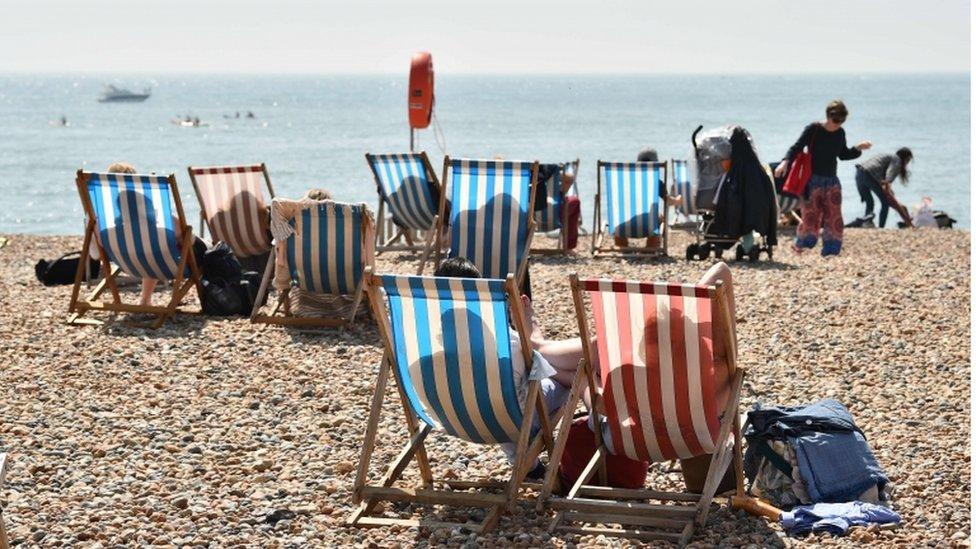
800	170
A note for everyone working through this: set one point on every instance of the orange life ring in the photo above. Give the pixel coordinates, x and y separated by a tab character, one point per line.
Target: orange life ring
420	92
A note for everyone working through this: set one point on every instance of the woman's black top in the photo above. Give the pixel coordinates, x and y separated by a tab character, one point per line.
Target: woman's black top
827	148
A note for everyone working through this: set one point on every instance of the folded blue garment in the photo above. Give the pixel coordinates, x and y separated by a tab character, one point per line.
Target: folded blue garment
837	466
836	518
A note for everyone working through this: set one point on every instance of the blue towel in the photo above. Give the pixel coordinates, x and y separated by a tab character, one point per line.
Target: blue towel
837	466
836	518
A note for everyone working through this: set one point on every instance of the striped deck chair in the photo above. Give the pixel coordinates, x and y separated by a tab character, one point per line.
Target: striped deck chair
657	366
323	249
448	347
681	186
635	206
133	222
553	216
490	222
404	184
233	206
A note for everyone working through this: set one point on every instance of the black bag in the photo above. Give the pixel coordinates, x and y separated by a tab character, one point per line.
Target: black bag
221	298
63	269
219	261
943	219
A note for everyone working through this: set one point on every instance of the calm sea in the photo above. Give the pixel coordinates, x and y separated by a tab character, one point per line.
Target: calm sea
312	131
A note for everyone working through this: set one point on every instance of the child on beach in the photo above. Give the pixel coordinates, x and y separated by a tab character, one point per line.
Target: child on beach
820	208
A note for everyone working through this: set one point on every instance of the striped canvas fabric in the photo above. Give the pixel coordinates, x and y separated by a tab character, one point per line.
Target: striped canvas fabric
633	198
787	203
234	206
325	253
655	346
405	186
136	223
550	217
490	213
681	185
453	354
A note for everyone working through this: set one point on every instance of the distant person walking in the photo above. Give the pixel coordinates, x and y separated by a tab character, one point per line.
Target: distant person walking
820	208
875	175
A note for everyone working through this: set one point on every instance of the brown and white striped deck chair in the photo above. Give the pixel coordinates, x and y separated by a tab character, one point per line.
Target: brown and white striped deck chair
322	247
658	403
233	206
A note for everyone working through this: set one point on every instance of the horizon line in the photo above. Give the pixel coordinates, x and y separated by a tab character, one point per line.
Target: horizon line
73	72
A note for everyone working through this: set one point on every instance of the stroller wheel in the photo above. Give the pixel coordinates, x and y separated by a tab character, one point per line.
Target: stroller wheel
691	251
754	254
739	252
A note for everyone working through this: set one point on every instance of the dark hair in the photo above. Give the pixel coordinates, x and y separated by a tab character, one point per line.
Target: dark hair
647	155
905	155
836	109
457	267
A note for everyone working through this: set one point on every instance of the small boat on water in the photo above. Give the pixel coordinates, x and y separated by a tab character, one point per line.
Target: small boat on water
111	94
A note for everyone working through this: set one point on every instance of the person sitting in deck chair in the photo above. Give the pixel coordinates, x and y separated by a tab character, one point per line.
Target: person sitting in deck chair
650	155
556	361
149	284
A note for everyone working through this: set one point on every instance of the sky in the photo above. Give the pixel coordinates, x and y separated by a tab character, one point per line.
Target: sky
500	36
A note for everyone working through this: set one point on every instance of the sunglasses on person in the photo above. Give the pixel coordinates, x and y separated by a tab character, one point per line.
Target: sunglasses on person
838	118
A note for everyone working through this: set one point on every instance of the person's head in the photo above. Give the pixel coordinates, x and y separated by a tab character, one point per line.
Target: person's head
457	267
318	194
121	167
647	155
905	155
837	112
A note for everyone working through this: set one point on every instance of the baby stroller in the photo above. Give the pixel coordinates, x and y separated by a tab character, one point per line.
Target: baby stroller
734	196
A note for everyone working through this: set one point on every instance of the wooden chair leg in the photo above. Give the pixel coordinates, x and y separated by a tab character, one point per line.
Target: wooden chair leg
372	424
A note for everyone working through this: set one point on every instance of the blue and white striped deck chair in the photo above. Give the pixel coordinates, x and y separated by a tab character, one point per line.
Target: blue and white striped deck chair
553	216
133	222
635	207
448	346
321	247
682	186
405	183
490	220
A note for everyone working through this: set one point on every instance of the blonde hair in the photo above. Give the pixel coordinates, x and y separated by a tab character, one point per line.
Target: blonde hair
318	194
121	167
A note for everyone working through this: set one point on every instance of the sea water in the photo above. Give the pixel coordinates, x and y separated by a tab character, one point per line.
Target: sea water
312	131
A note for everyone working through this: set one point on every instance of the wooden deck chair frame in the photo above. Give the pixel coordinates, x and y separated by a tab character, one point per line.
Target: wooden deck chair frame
414	241
599	228
435	245
181	285
204	218
563	248
602	505
368	496
283	305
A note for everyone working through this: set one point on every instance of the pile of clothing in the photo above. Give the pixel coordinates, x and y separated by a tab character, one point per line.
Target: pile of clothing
814	460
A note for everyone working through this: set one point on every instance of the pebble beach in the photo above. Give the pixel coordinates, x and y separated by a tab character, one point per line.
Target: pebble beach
221	433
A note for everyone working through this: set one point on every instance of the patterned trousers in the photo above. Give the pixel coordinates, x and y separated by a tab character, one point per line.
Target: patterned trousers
821	210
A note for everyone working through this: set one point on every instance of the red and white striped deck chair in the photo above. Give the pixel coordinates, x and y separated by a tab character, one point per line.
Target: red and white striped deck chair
233	205
658	403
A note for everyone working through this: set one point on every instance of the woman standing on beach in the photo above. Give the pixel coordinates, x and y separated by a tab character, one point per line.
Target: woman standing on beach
820	209
875	175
